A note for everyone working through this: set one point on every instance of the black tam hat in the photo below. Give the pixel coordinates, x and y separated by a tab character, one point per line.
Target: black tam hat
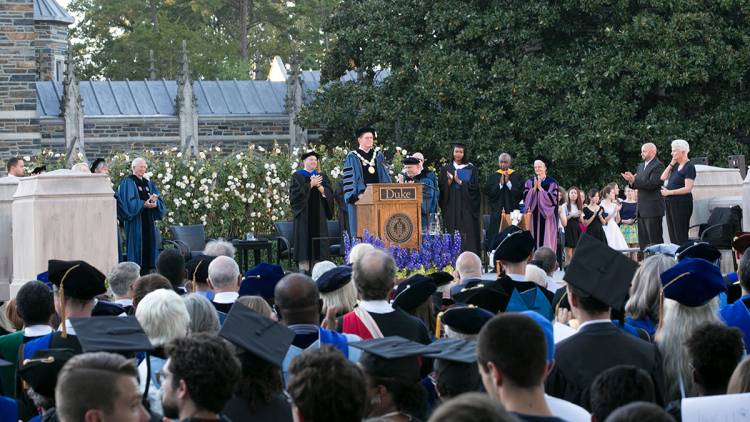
98	162
361	131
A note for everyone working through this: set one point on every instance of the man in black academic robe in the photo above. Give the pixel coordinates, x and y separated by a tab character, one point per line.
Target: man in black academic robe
311	199
504	191
460	198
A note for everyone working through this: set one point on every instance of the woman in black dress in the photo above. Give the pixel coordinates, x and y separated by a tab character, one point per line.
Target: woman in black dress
593	217
573	209
678	198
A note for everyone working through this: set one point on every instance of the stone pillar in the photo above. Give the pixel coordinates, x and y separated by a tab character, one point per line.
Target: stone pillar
63	215
187	110
8	186
72	110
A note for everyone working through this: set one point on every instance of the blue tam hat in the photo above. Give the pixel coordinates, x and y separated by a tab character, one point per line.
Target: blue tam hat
549	333
261	280
693	282
334	279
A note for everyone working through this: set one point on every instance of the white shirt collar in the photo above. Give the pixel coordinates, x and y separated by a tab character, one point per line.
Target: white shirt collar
124	302
37	330
68	327
459	166
517	277
646	163
594	321
226	297
376	306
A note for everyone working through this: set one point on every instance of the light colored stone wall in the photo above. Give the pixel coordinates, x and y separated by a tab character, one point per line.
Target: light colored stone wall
8	186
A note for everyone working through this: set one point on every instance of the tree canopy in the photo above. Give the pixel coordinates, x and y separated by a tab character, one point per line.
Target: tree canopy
582	82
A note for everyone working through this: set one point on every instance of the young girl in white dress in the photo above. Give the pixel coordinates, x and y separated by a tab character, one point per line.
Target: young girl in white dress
611	206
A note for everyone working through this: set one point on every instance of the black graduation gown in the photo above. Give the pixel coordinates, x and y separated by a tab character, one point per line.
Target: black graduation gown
311	212
278	409
501	198
460	206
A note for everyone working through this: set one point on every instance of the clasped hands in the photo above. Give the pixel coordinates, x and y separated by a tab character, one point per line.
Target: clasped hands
151	202
317	182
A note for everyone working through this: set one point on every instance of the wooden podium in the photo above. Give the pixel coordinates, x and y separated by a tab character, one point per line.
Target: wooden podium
392	212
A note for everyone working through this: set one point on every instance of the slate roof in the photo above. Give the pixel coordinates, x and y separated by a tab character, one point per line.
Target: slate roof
49	10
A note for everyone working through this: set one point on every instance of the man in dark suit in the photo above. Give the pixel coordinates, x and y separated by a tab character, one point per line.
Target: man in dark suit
650	202
593	290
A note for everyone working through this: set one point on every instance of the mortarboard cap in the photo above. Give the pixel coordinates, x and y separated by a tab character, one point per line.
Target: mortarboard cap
111	334
466	319
77	279
698	249
413	292
692	282
361	131
601	272
98	162
454	350
38	170
513	244
741	241
549	333
256	334
490	297
334	279
40	372
441	278
197	268
410	161
307	154
261	280
391	357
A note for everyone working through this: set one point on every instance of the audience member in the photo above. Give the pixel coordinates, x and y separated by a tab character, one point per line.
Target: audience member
471	407
714	350
642	307
219	247
358	251
373	275
39	376
121	281
740	380
198	379
618	386
513	371
737	314
321	268
469	271
639	412
171	264
197	274
164	317
224	279
463	322
337	290
16	167
259	305
261	281
455	369
147	284
547	260
321	378
415	296
203	317
99	387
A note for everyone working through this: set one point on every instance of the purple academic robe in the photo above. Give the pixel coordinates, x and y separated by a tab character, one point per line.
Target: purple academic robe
543	207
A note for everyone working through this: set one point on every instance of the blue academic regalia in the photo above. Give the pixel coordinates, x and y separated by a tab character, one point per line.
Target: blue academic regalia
354	184
131	206
737	315
430	196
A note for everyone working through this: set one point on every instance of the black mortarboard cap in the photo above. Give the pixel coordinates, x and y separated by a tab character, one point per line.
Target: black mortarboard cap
197	268
698	249
40	372
256	334
490	297
466	319
601	272
413	292
391	357
513	244
410	161
78	279
361	131
96	163
111	334
334	279
309	154
441	278
693	282
38	170
454	350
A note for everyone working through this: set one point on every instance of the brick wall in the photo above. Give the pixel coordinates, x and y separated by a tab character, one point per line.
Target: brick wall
51	44
214	128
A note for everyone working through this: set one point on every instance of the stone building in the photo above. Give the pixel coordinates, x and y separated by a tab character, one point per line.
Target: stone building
43	105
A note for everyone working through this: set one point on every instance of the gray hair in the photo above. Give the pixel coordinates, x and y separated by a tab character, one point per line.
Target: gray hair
259	305
219	247
681	144
451	333
469	264
39	400
203	317
223	272
80	168
136	161
343	299
744	270
645	288
373	275
504	154
358	251
122	276
536	275
321	268
163	316
677	324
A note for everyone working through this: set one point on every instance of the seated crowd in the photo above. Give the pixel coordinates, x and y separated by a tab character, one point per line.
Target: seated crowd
614	340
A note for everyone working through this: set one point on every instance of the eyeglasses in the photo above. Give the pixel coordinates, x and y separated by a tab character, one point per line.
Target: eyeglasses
161	376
